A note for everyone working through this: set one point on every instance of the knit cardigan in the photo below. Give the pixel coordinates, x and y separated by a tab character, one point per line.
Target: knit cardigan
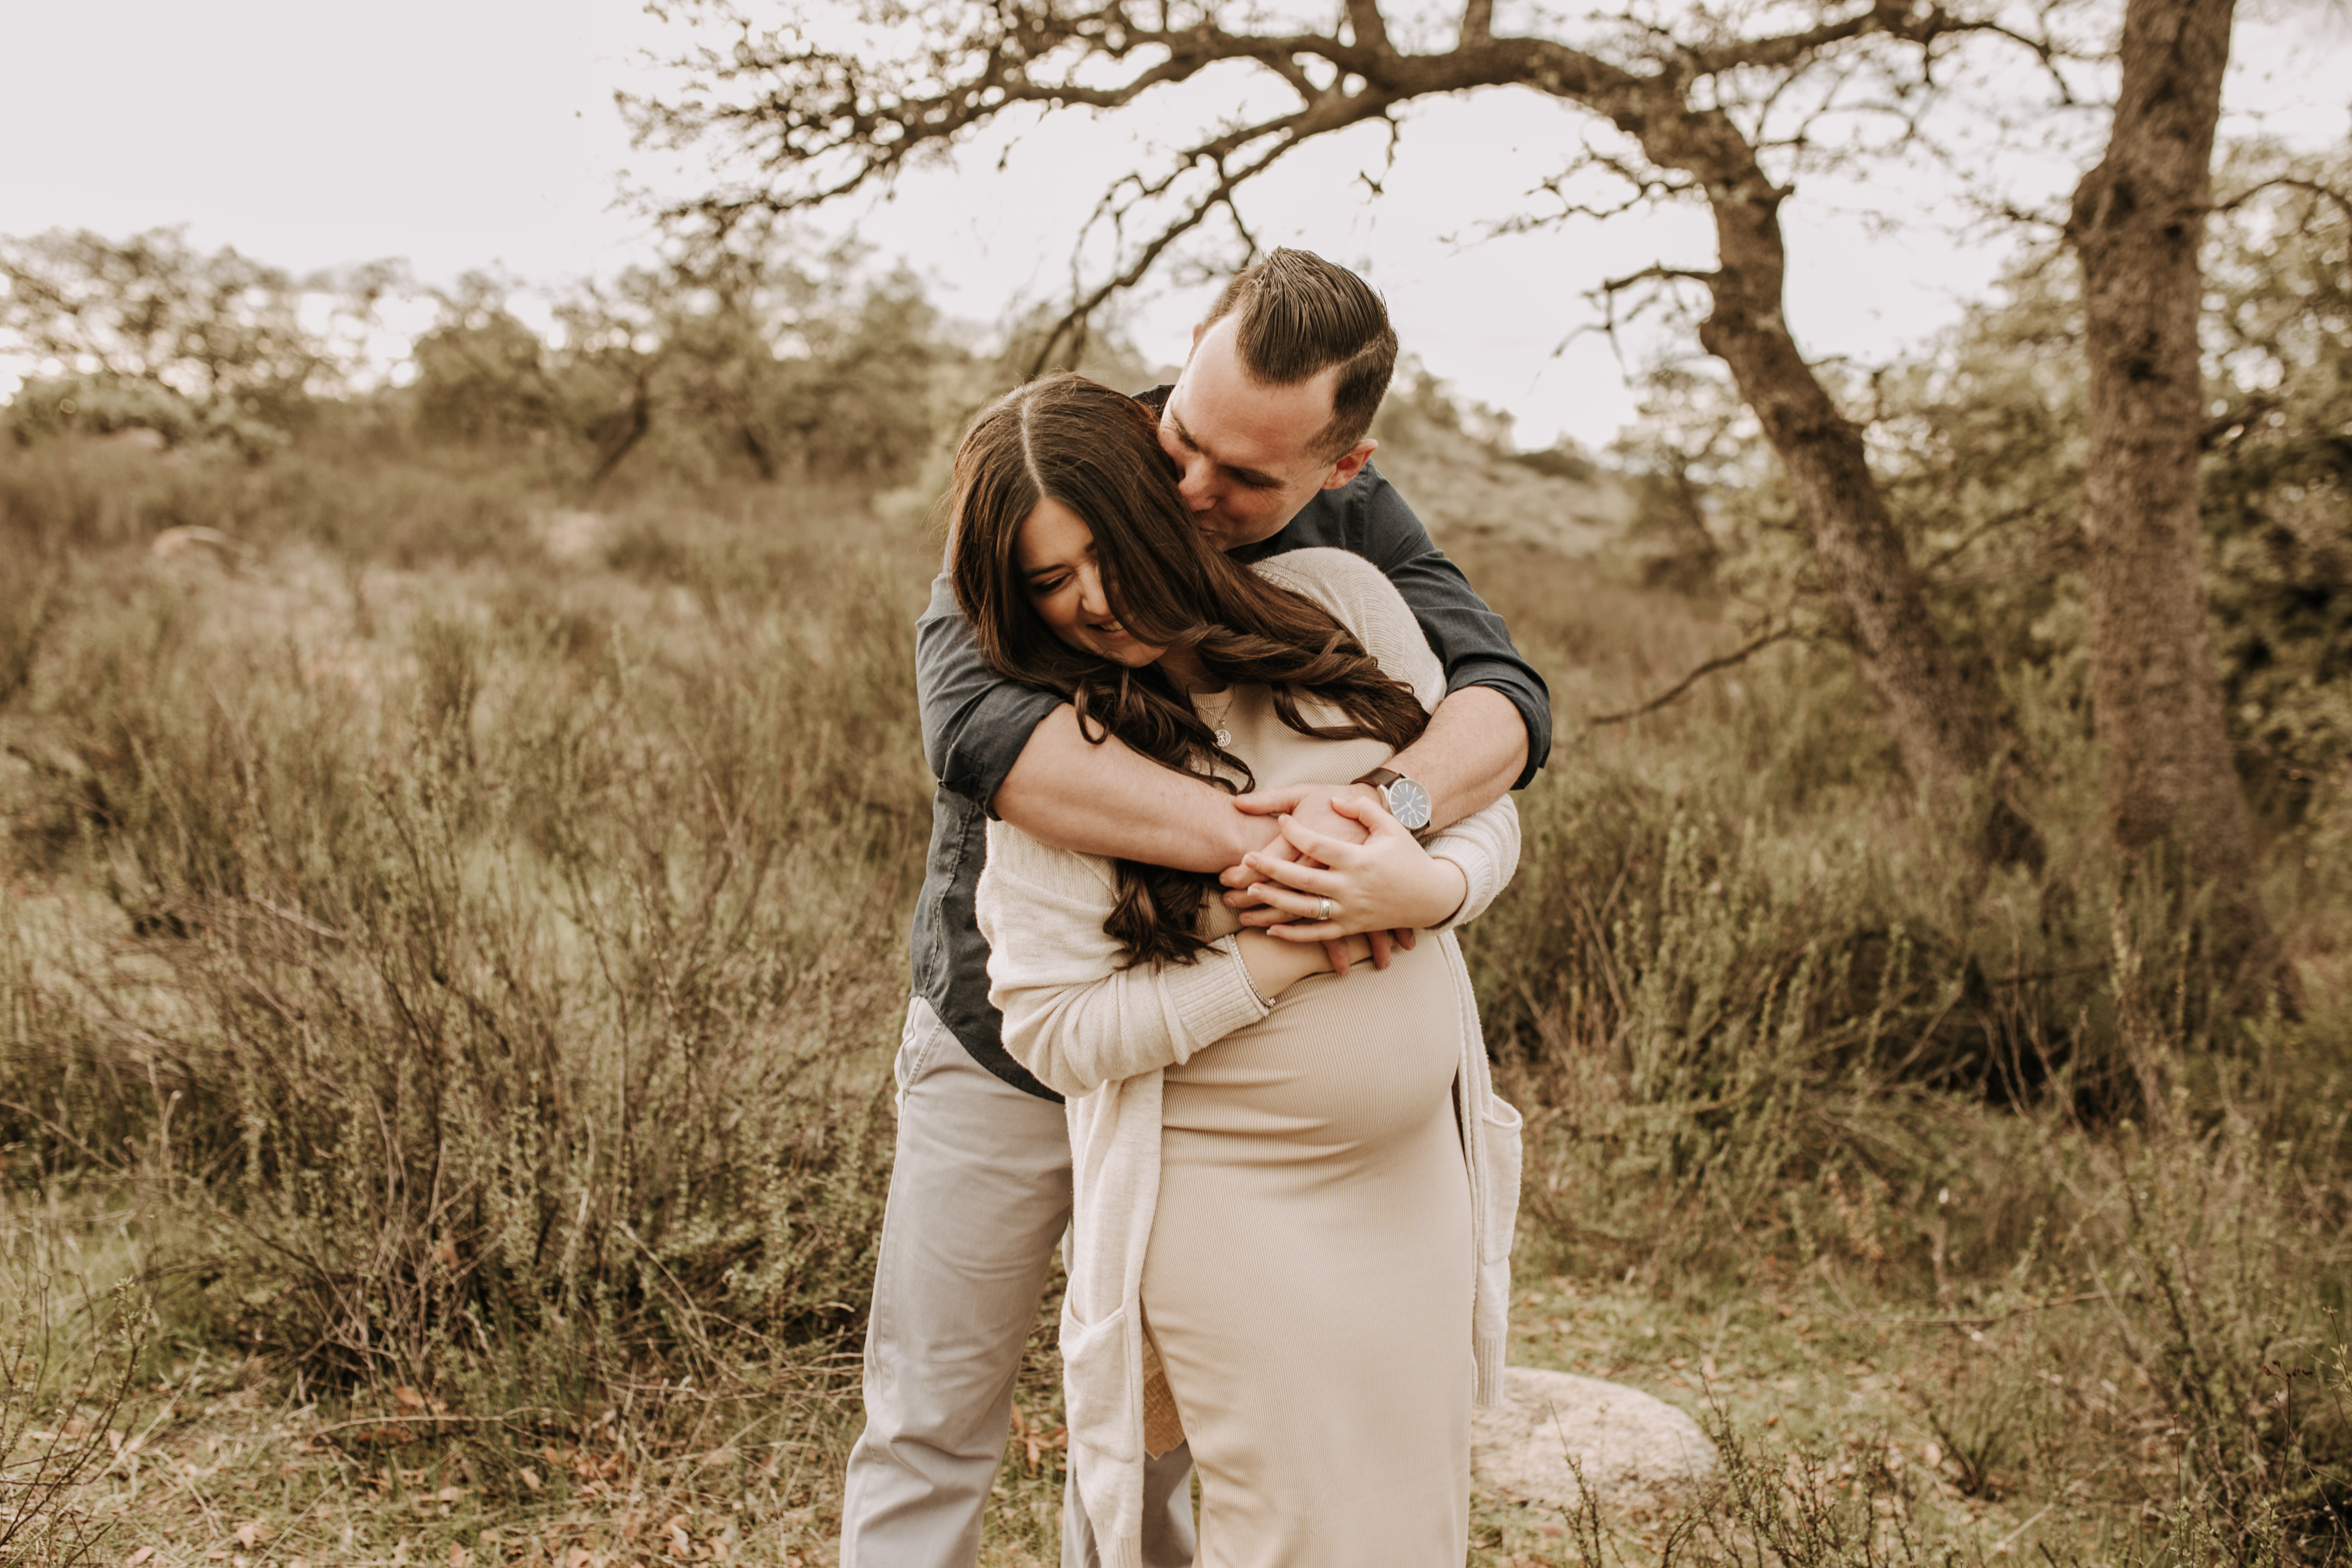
1101	1035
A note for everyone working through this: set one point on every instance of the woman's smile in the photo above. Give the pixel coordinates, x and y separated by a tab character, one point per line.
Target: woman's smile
1056	557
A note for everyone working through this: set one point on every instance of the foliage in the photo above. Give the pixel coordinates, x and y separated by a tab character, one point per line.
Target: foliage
512	990
42	1524
150	332
1979	442
736	357
482	375
2278	488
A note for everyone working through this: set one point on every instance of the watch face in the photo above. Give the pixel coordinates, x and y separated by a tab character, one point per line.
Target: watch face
1409	804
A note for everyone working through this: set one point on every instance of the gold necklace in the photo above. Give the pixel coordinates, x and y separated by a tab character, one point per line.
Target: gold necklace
1224	736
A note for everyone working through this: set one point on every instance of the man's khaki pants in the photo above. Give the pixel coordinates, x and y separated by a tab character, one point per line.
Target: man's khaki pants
979	1194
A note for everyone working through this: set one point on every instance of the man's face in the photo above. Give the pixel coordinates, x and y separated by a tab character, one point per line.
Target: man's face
1248	452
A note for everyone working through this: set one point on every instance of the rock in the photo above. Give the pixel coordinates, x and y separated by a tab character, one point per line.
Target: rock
1638	1453
190	542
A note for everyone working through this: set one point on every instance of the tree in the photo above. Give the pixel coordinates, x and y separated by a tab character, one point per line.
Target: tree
2138	222
482	375
2278	470
745	348
739	351
1720	106
221	333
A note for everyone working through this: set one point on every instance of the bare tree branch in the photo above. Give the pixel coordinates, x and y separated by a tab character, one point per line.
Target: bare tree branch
1717	104
1675	693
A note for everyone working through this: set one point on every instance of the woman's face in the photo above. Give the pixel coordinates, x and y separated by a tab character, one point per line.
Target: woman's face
1056	557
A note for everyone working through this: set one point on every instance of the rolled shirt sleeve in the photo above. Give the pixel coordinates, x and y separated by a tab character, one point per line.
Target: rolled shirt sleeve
975	722
1471	638
1366	517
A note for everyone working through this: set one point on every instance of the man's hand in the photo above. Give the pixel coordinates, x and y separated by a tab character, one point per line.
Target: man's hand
1333	888
1314	805
1311	804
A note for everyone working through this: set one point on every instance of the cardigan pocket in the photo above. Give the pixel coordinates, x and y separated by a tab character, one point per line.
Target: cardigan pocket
1502	1165
1099	1382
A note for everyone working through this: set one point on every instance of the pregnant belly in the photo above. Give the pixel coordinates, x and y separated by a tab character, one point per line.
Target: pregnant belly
1341	1062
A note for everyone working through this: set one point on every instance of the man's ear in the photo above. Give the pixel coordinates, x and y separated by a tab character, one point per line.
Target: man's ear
1352	463
1198	328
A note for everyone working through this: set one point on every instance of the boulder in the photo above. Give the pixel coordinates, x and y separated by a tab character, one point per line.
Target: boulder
1639	1454
192	544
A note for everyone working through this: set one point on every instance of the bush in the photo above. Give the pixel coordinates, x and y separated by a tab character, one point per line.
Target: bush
523	962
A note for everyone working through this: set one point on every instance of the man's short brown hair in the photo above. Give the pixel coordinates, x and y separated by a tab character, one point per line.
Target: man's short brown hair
1300	315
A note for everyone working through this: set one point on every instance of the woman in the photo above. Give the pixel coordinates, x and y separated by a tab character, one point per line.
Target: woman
1293	1191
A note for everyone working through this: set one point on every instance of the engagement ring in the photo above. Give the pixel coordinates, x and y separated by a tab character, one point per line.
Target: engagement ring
1324	908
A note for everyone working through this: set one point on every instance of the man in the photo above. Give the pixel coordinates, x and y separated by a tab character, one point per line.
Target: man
1266	425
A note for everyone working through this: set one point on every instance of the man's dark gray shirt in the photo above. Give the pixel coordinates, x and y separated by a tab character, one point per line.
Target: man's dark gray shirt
975	724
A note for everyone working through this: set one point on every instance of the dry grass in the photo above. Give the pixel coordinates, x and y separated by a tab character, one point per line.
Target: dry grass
451	950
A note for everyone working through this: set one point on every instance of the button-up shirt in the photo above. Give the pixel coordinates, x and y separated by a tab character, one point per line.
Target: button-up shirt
975	723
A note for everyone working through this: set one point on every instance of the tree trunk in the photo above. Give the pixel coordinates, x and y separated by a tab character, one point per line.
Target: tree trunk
2137	221
1936	719
628	425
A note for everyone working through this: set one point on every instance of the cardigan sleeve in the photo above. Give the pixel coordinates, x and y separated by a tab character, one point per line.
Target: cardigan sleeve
1073	1016
1486	844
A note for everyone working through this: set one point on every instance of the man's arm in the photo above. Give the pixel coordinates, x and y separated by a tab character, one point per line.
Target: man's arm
1493	729
1474	747
1017	751
1108	800
1468	744
974	721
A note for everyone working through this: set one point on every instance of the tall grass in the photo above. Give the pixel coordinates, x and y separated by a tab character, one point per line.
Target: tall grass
1779	1032
479	928
509	952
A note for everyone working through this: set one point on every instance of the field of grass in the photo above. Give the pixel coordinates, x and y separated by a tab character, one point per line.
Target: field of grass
452	943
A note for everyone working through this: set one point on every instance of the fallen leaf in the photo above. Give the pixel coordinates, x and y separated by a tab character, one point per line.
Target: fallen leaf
529	1477
579	1558
248	1536
458	1556
409	1398
448	1494
138	1557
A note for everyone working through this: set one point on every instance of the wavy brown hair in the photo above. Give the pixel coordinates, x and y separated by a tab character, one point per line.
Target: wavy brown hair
1096	451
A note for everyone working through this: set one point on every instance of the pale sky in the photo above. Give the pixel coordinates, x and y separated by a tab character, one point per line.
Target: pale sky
470	134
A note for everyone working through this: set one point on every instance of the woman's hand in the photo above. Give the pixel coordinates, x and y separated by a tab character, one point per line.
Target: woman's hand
1386	882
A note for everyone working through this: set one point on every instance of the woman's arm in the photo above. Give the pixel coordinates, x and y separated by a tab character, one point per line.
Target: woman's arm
1073	1015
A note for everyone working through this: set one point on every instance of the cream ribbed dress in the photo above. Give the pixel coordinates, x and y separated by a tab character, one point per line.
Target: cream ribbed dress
1308	1280
1306	1210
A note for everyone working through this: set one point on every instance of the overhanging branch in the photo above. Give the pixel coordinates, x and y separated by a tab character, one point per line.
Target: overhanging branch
1675	693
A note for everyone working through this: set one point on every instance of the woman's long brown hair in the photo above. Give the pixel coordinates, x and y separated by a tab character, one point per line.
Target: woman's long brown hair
1096	451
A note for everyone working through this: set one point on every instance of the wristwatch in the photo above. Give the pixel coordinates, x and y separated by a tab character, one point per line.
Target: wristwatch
1406	800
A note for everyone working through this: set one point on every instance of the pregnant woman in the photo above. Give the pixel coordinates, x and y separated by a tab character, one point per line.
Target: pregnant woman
1294	1189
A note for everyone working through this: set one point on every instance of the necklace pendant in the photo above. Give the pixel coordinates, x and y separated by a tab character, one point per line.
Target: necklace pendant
1224	737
